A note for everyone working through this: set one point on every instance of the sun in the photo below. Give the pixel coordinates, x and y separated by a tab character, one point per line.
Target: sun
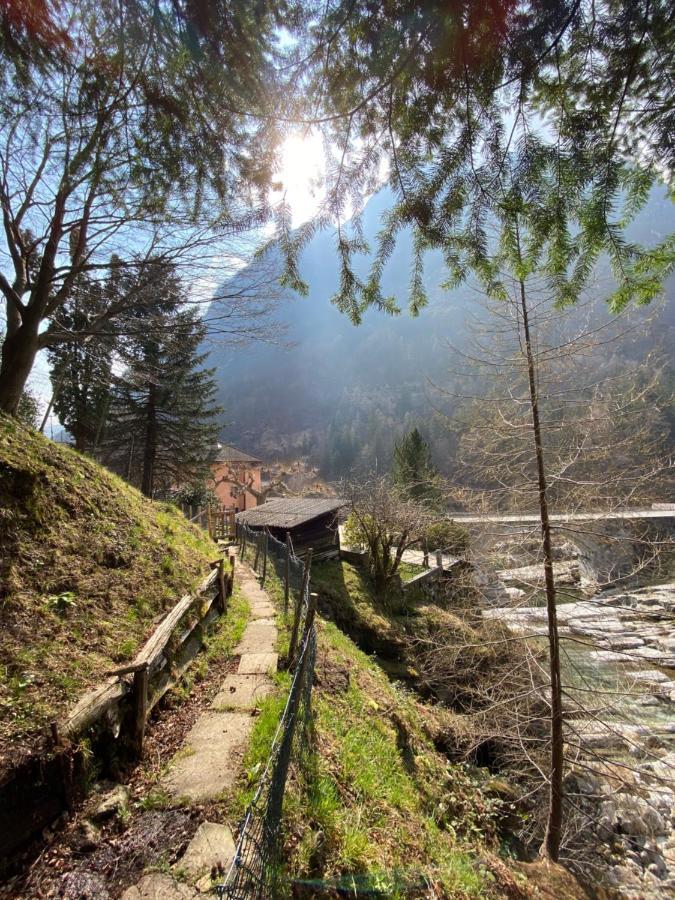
302	175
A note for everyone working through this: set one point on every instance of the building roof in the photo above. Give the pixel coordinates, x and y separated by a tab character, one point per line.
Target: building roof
228	453
288	513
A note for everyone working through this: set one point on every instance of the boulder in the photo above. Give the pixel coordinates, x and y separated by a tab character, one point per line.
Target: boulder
111	804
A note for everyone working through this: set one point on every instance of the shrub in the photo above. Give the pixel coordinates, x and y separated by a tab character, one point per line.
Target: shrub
445	534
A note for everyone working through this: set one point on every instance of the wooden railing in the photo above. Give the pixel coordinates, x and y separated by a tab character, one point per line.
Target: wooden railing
130	692
219	521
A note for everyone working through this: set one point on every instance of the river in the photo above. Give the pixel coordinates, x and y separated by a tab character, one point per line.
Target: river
619	676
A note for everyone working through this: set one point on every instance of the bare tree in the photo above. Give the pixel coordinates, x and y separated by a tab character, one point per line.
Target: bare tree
559	422
387	524
123	149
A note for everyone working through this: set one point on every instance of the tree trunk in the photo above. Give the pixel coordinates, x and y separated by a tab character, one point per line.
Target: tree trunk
150	449
551	845
19	350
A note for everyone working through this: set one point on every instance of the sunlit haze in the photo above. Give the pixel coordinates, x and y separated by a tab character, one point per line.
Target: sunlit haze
301	175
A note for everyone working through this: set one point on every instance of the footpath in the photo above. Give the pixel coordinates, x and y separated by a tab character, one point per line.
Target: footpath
211	758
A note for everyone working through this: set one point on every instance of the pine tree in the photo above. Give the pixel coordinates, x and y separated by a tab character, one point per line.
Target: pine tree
413	469
162	432
81	371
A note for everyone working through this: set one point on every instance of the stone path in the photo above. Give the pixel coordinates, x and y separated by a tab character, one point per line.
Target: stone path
212	755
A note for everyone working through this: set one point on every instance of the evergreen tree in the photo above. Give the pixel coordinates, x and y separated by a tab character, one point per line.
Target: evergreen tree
162	432
81	371
28	409
413	469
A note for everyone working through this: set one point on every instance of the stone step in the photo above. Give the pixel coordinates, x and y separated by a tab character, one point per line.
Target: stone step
210	850
262	611
258	664
242	692
212	756
260	636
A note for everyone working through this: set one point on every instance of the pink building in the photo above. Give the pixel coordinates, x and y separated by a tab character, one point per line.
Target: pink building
237	478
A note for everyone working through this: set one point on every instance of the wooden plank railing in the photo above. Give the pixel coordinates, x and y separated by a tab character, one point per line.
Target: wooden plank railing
158	665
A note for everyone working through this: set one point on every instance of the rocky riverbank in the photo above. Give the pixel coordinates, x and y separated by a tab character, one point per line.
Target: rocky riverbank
619	672
635	625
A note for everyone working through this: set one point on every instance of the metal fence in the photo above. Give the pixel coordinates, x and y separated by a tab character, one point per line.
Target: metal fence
256	870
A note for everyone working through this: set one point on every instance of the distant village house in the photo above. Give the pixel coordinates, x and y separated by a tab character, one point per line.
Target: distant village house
237	478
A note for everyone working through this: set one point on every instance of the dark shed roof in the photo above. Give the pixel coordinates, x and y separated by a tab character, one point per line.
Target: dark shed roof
228	453
288	513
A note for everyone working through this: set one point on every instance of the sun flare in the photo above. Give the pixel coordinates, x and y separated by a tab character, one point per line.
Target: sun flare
301	175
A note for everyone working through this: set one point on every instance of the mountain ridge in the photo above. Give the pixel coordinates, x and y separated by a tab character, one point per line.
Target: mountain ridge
342	394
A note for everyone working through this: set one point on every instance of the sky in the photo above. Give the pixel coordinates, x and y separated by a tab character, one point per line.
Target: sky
301	180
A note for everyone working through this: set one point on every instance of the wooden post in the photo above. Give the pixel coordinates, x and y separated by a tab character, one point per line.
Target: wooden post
140	697
243	542
425	551
65	767
287	576
439	559
190	510
298	609
264	571
209	521
257	552
222	593
230	583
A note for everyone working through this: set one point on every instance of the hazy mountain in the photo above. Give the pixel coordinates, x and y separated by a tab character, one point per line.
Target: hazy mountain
342	394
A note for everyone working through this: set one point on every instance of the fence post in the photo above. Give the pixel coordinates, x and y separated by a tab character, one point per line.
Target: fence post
230	583
257	552
190	511
243	542
298	609
287	579
425	551
140	698
439	559
264	567
222	595
65	767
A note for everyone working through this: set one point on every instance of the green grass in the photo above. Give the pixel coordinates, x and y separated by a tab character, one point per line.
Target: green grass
372	800
218	644
222	640
87	565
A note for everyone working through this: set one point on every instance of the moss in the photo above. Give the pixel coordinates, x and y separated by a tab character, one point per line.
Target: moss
86	566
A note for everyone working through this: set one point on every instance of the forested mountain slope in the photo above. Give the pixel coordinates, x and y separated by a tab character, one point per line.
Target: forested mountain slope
342	394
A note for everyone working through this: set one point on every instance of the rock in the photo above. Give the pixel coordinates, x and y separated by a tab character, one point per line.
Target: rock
636	817
159	887
82	884
211	849
85	837
111	804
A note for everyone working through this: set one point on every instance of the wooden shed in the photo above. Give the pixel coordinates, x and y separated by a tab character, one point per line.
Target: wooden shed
310	523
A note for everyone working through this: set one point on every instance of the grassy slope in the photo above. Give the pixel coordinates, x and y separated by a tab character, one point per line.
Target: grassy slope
374	800
87	564
375	807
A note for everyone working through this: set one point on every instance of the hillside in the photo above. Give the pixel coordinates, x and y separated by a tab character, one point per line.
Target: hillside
384	802
342	394
86	566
